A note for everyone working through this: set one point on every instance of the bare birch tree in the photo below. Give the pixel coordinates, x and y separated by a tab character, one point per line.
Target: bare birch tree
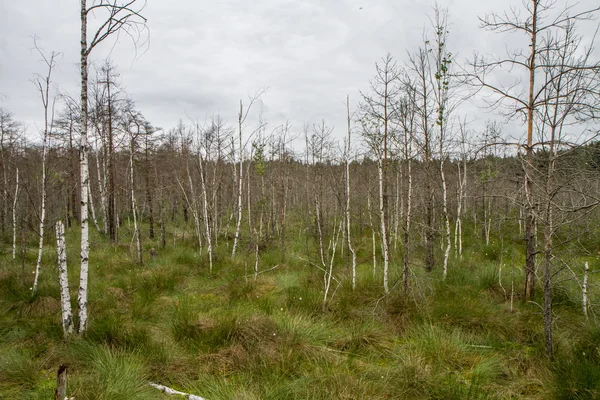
377	111
125	17
14	216
407	114
419	68
568	102
347	162
242	116
134	123
540	17
442	59
42	84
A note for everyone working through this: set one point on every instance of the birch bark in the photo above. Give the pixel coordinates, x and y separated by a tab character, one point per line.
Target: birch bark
348	225
63	280
14	217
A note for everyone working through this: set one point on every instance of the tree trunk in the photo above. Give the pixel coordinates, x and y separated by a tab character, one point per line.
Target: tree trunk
149	194
14	217
61	384
383	223
93	210
45	100
102	189
136	229
584	289
63	280
407	217
329	272
548	282
112	217
240	184
83	163
530	217
445	212
205	214
348	225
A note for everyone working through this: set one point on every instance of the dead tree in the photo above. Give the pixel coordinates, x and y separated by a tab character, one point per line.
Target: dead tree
348	225
516	99
377	113
42	84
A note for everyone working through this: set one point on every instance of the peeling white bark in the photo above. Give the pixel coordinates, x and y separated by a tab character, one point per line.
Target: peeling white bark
83	165
63	280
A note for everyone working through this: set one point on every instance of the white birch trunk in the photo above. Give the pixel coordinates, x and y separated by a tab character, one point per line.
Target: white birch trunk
240	184
93	210
136	230
445	211
373	241
398	206
205	213
520	220
383	223
407	221
63	280
585	290
193	206
488	222
43	85
83	164
102	190
14	217
42	215
248	197
320	231
43	205
255	259
329	273
348	225
462	185
458	216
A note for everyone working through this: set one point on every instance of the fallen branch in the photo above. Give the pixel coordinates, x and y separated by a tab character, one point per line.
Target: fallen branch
320	268
168	390
262	272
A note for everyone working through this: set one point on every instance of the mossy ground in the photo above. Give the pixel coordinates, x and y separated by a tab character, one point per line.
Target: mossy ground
225	335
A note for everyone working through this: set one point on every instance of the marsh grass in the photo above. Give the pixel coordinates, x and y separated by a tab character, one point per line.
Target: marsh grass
229	335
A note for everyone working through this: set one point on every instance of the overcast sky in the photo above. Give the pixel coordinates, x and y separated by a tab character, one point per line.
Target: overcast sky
204	56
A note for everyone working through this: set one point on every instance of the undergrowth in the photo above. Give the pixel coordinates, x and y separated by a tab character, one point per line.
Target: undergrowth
232	335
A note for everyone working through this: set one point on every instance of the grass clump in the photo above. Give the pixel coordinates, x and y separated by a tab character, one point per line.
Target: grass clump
113	375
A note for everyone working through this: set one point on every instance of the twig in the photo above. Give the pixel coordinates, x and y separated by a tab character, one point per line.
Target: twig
260	272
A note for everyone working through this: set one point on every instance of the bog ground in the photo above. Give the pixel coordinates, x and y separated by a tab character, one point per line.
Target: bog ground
228	335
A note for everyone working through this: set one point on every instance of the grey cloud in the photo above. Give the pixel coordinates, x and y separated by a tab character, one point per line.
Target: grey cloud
205	56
